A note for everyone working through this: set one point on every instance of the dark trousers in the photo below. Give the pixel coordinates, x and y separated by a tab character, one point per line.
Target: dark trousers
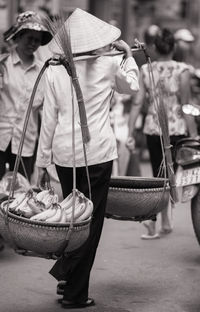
75	266
155	151
8	157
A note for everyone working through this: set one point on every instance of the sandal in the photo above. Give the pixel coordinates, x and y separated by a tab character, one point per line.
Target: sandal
148	237
77	305
165	231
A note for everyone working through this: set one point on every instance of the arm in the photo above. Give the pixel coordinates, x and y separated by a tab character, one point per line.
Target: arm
126	79
48	125
185	99
121	45
134	113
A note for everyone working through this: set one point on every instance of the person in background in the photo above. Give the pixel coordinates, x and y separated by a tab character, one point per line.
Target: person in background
149	39
43	53
18	72
119	122
148	36
139	151
184	40
174	78
184	52
97	78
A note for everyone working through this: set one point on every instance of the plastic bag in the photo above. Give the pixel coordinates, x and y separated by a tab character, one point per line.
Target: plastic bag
22	184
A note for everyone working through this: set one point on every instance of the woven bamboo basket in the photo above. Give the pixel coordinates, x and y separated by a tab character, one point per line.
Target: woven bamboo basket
48	240
42	238
137	198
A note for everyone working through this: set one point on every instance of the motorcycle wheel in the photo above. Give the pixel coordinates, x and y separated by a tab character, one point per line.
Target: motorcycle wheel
195	213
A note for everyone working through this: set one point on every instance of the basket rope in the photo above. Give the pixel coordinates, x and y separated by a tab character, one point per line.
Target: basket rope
18	156
165	147
164	135
28	112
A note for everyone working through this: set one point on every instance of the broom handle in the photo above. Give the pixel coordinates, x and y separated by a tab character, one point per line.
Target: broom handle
83	117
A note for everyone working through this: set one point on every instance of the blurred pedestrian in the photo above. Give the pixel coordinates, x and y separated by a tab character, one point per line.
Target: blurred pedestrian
18	72
148	36
119	118
119	122
19	69
184	52
97	77
184	40
138	153
172	80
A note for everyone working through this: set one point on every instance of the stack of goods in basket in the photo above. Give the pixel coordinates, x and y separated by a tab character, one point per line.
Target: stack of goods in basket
44	206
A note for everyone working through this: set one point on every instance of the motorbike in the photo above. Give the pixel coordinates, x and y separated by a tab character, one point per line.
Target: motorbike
187	158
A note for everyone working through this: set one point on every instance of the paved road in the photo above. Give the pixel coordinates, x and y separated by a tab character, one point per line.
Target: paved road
129	274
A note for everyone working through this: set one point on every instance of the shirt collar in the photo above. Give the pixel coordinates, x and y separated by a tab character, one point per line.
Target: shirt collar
16	59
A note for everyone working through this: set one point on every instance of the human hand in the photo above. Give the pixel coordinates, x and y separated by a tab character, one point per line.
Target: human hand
195	137
121	45
130	144
43	180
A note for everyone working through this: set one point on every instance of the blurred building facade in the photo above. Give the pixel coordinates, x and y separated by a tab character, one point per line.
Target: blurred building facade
131	16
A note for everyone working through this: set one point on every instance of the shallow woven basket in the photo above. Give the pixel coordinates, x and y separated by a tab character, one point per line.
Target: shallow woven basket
137	198
41	237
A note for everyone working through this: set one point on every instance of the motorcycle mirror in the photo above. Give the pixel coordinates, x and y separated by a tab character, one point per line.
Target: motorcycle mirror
191	109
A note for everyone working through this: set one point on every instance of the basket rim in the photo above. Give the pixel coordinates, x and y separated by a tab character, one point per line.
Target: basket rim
140	190
131	178
42	223
138	182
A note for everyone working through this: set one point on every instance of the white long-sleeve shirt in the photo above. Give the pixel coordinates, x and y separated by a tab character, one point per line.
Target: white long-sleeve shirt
15	92
97	80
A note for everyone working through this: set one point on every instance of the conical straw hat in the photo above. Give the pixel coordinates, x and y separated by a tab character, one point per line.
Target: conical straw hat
88	33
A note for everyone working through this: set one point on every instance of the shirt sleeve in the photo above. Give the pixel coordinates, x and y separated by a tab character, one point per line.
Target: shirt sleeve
183	66
48	124
127	77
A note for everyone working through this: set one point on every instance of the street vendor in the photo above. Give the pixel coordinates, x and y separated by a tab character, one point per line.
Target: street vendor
18	71
98	77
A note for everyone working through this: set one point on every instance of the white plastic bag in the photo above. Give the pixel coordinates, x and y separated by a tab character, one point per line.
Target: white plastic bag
22	184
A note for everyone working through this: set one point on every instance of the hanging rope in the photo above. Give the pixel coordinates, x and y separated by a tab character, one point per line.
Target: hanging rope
163	122
19	152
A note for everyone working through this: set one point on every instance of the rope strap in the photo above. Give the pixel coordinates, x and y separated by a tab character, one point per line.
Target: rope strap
75	78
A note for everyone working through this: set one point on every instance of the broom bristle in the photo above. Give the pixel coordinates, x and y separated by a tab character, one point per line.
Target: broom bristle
61	36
